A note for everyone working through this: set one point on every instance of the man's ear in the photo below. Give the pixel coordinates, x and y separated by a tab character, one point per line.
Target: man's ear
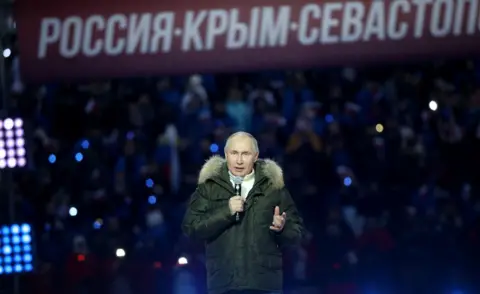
256	157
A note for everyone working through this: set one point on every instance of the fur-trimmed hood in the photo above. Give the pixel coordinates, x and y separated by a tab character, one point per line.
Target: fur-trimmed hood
269	168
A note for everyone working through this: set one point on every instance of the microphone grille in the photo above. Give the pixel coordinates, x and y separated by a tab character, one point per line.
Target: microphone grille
237	180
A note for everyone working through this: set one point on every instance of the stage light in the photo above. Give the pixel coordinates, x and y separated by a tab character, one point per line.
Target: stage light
120	252
79	157
15	229
7	53
52	158
152	199
214	148
18	268
16	255
26	239
80	258
85	144
12	144
72	211
7	249
27	258
347	181
97	224
16	239
182	261
379	128
26	229
149	183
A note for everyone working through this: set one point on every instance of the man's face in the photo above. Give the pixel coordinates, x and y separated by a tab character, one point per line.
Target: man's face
240	156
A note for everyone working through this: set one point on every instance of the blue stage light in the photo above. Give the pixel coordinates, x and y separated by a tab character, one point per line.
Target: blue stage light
149	183
18	268
26	239
52	158
7	250
15	229
16	239
27	258
16	254
214	148
85	144
26	229
79	157
152	199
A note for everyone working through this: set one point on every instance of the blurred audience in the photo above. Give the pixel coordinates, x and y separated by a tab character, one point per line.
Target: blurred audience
381	163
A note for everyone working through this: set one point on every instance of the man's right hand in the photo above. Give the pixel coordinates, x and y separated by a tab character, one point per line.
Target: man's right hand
236	204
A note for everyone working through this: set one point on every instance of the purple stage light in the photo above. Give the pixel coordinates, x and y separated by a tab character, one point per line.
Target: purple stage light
12	143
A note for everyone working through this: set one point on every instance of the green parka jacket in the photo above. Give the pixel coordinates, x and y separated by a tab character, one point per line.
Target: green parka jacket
243	255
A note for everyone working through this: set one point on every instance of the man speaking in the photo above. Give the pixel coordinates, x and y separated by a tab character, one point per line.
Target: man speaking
245	215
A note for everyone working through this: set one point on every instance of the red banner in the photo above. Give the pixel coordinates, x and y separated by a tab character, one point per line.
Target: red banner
119	38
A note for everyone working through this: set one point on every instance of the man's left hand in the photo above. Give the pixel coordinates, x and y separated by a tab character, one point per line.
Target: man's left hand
278	220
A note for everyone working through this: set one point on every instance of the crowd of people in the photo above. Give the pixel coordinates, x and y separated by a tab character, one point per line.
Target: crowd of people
380	161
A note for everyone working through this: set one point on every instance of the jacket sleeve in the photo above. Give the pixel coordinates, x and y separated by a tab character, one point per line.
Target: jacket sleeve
293	231
200	222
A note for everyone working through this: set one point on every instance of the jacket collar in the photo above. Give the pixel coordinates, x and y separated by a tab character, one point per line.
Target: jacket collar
216	169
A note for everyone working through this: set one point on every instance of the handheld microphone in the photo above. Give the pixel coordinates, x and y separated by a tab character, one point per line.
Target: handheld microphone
237	181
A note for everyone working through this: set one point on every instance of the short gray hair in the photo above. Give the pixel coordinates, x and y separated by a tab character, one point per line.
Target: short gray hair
244	134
